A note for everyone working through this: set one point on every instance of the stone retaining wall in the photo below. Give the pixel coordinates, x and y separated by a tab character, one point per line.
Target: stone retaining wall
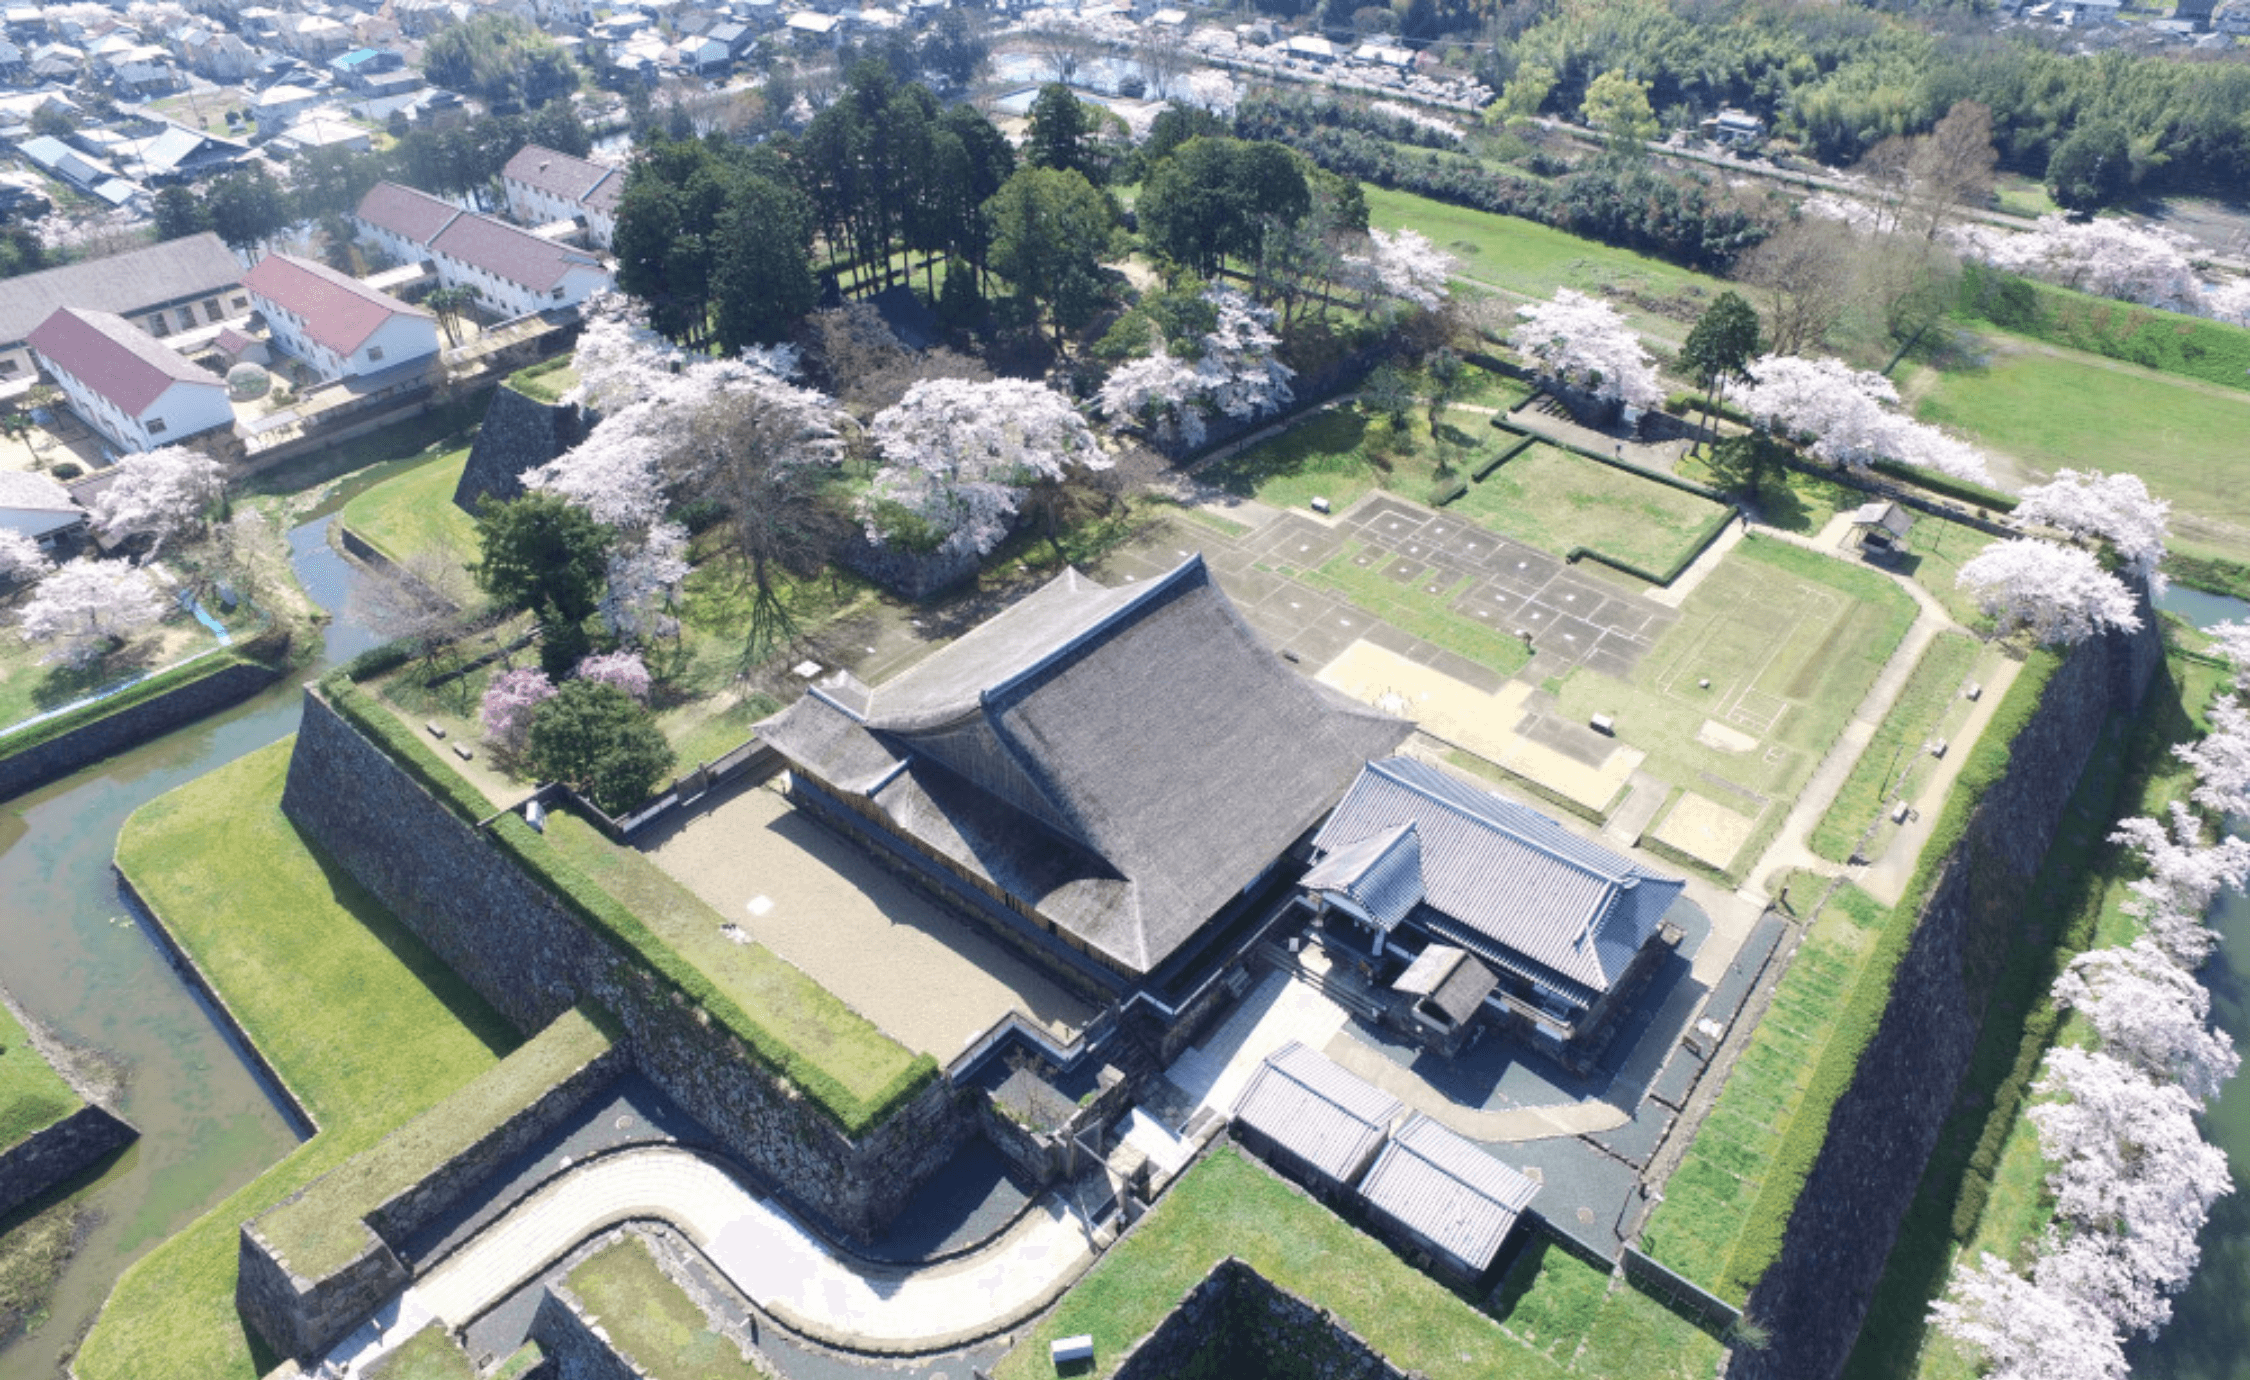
513	941
1236	1323
131	726
574	1342
1881	1134
59	1152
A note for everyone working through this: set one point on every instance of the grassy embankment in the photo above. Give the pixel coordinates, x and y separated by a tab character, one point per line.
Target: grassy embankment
650	1319
1556	1316
362	1022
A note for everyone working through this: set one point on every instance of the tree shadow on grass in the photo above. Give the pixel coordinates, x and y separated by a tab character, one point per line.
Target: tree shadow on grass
460	1000
61	685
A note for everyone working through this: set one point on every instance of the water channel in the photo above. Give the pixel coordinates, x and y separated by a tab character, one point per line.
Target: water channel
75	958
81	965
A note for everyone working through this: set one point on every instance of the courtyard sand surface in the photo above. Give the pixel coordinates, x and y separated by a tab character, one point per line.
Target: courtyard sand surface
928	978
1465	716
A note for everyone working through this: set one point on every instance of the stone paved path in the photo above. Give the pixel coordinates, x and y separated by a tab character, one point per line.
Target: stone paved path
792	1274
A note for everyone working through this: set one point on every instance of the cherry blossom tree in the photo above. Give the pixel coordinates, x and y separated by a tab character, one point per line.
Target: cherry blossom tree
2024	1331
643	580
2152	1013
157	494
960	457
2060	593
2114	507
1846	413
619	358
2129	1163
508	703
2185	874
2104	256
1214	90
2098	1272
1234	373
2231	640
1582	341
2221	759
625	670
1403	267
20	557
87	607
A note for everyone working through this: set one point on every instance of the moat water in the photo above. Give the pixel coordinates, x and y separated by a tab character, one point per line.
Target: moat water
76	959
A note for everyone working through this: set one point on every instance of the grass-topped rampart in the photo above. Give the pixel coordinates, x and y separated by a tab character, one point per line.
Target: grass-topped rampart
318	1232
847	1067
32	1095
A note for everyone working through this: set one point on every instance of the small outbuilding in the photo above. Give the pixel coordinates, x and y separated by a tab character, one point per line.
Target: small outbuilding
1312	1119
1881	526
1439	1192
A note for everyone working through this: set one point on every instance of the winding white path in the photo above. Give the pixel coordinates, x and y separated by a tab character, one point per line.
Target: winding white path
784	1268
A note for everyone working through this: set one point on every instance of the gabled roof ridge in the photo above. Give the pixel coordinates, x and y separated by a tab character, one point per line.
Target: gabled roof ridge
1132	605
1624	881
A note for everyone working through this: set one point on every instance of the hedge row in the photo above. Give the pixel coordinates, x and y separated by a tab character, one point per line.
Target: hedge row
1442	494
1709	533
1524	441
1947	486
624	932
1759	1245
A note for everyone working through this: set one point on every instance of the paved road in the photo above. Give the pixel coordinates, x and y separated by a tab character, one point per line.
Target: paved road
792	1274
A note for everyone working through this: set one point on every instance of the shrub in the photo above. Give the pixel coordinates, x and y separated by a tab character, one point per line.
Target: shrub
601	741
67	469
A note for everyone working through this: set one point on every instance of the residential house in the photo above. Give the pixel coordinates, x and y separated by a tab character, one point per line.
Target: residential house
15	63
421	18
57	62
1110	774
316	37
91	175
355	67
323	128
335	323
717	49
512	270
1415	856
1436	1191
216	54
544	186
39	508
143	70
174	286
125	383
1734	129
1313	1120
181	154
279	107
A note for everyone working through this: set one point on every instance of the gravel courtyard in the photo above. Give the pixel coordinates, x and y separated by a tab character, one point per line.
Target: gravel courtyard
932	980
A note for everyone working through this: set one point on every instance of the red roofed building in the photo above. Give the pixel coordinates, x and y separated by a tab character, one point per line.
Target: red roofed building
336	323
545	186
512	270
125	383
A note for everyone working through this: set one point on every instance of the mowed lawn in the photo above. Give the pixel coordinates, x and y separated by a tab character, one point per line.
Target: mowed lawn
1533	260
1558	1316
32	1095
1343	453
1896	761
362	1022
412	515
1559	501
651	1320
1711	1197
2056	410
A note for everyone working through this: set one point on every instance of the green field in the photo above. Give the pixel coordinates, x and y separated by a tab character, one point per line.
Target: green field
1790	640
806	1016
411	516
2192	346
1560	501
32	1095
427	1355
1715	1191
2052	410
1558	1316
1533	260
1894	763
651	1321
282	932
1412	608
320	1232
1343	453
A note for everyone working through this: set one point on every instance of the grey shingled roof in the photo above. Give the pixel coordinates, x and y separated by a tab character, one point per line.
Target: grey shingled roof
1123	760
559	174
191	266
1450	978
1316	1111
1447	1190
1509	876
1381	874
